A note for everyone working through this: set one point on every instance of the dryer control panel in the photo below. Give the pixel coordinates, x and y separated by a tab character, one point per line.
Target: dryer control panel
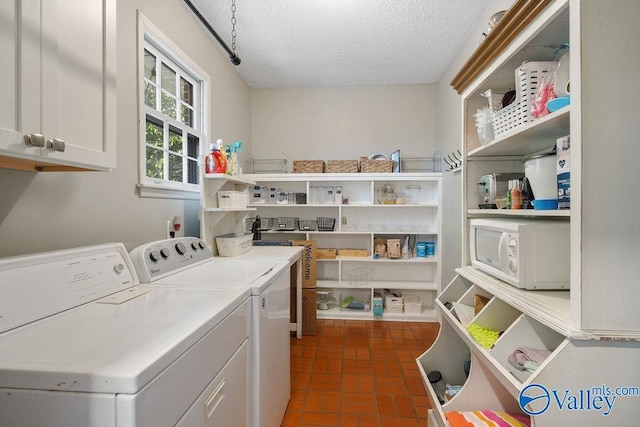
158	259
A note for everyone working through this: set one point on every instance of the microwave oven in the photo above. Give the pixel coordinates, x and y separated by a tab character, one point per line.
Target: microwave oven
528	254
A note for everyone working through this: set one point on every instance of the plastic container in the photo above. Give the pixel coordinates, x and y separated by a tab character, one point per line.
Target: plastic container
232	199
412	304
541	172
234	244
393	304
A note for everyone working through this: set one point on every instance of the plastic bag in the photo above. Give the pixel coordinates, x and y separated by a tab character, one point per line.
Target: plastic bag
484	125
545	93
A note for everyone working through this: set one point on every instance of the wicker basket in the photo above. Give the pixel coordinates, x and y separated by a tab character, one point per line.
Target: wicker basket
308	166
529	76
479	302
342	166
376	166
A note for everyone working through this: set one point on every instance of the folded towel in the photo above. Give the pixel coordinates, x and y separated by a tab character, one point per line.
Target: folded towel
527	354
485	418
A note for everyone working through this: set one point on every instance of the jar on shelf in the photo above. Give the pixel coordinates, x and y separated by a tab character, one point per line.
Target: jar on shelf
414	193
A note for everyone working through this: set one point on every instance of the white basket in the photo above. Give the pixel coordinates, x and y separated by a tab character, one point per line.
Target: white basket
528	78
393	304
412	304
234	244
232	199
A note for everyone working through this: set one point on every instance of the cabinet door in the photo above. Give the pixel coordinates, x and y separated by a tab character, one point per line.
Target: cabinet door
17	49
60	62
78	80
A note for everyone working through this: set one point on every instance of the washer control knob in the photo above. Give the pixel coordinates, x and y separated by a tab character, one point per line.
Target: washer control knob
154	256
513	266
118	268
180	248
165	253
201	245
194	246
513	243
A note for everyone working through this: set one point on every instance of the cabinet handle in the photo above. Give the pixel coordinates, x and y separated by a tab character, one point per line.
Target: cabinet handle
35	140
56	145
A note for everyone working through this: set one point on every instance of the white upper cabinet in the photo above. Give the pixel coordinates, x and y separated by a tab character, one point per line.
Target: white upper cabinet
57	94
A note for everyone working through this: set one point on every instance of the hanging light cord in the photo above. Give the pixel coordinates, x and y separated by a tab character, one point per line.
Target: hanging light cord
235	59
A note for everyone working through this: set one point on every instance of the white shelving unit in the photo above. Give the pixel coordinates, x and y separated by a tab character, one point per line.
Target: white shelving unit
211	214
592	330
358	224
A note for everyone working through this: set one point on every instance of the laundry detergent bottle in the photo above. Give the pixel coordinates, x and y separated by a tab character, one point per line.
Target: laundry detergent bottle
216	161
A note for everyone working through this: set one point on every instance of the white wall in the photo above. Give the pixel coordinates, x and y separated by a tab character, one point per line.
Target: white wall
48	211
343	122
449	137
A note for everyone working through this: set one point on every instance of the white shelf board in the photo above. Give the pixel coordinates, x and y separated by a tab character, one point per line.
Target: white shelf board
327	177
427	315
228	178
229	209
563	213
416	286
551	308
529	138
415	260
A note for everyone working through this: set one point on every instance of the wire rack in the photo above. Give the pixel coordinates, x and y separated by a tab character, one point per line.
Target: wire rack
422	164
359	276
253	165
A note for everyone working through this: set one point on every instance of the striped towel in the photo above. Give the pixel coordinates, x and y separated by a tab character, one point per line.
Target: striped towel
486	418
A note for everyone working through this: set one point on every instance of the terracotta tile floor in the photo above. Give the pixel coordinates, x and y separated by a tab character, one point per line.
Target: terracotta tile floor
359	374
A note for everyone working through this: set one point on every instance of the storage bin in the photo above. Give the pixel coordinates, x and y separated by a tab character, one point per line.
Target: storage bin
307	225
266	223
325	223
342	166
529	76
376	166
285	223
393	304
234	244
412	304
232	199
308	166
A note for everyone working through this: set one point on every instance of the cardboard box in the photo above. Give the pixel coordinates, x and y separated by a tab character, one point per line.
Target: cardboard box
309	262
309	298
327	253
563	157
309	320
353	252
393	248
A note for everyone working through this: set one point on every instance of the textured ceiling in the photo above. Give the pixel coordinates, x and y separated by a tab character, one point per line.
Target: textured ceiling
306	43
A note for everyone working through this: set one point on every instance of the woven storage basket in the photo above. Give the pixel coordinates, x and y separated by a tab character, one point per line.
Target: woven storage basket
376	166
342	166
529	76
308	166
478	303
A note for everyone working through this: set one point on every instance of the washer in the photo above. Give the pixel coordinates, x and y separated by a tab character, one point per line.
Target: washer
265	271
83	344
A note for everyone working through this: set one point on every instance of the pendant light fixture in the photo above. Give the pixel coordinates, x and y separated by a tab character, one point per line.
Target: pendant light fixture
235	59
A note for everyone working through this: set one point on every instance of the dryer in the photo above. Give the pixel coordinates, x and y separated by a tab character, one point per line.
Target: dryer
187	263
83	344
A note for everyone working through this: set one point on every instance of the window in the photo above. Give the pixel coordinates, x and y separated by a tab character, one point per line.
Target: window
172	105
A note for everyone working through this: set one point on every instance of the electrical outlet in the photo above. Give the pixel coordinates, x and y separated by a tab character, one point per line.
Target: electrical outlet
169	229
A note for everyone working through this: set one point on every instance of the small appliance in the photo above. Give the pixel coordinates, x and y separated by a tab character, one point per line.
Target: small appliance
494	186
529	254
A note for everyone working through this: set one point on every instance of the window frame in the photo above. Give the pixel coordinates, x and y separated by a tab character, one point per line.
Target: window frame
151	38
